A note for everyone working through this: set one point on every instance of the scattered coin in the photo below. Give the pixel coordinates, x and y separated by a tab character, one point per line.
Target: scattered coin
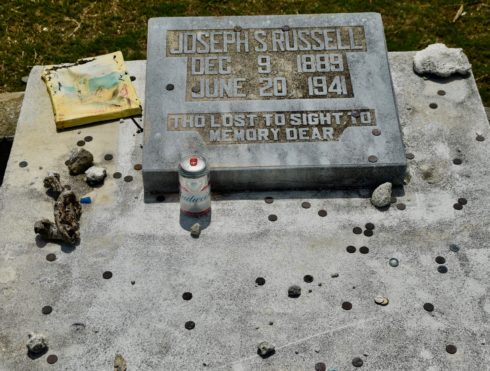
442	269
351	249
369	226
51	257
47	309
381	300
107	275
440	260
457	161
357	362
458	206
394	262
308	278
52	359
463	201
294	291
346	305
451	349
368	233
453	247
364	250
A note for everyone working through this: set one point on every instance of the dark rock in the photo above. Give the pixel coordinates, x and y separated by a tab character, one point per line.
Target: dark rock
266	349
47	230
37	343
79	161
53	184
294	291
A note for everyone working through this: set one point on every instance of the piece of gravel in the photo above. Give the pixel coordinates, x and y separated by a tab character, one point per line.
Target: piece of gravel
381	196
196	230
95	175
79	161
37	343
266	349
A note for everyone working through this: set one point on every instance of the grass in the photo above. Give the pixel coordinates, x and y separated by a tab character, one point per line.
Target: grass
46	32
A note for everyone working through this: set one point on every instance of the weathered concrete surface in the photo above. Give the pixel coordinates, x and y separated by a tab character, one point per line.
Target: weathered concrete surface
94	319
10	104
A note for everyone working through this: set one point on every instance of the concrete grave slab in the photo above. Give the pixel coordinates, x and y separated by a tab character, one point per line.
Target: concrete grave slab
140	312
273	102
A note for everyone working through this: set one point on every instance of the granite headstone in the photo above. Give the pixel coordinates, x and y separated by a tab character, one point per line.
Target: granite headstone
272	102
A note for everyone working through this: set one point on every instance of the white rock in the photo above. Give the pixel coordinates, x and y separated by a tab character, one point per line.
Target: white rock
37	343
381	196
266	349
95	175
438	59
196	230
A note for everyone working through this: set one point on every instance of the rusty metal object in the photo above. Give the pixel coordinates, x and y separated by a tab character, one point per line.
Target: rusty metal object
47	230
67	213
53	184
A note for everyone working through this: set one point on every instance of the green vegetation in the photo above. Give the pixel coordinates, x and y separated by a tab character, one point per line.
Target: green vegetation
46	32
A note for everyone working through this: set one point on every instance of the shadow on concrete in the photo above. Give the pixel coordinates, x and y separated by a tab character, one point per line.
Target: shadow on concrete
68	249
445	80
398	191
5	147
64	247
40	242
186	221
33	356
131	119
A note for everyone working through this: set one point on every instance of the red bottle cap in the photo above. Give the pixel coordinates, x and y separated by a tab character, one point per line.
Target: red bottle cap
193	161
